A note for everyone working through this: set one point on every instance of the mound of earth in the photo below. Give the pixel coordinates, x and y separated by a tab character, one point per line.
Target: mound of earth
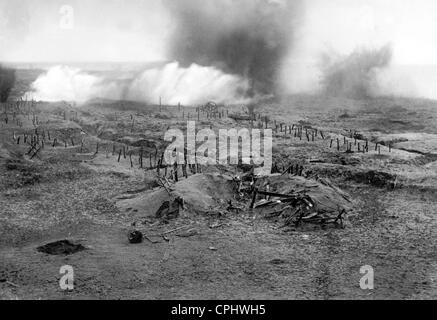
201	193
423	143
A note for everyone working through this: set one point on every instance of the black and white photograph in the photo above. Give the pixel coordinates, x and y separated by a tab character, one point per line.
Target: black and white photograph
218	150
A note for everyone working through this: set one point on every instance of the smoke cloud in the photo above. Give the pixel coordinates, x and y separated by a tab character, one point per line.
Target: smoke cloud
249	38
7	82
228	50
192	85
355	75
62	83
174	84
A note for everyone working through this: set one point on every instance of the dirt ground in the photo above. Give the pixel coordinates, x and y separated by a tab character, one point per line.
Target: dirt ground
69	192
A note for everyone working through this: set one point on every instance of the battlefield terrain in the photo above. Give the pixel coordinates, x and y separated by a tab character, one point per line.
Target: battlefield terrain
78	180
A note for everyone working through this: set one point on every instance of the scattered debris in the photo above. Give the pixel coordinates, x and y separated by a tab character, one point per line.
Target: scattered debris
297	200
170	209
135	237
9	283
215	225
188	233
173	230
277	261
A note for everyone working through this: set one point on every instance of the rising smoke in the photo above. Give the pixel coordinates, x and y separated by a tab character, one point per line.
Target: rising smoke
232	51
7	82
172	83
355	75
249	38
193	85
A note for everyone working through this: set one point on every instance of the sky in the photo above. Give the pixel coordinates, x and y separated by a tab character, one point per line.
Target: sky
102	30
138	30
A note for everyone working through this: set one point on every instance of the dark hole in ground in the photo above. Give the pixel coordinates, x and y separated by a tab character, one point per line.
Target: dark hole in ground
62	247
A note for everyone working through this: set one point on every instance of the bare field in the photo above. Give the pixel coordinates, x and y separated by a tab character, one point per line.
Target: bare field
83	186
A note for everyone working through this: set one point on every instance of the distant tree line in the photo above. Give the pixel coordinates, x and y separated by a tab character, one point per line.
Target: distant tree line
7	82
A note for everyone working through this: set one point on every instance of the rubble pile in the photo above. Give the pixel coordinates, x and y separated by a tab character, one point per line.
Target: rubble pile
293	199
298	200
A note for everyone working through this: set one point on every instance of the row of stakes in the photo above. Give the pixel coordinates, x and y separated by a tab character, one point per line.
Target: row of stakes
362	146
36	144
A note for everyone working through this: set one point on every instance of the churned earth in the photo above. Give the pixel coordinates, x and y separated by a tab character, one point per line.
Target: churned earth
85	190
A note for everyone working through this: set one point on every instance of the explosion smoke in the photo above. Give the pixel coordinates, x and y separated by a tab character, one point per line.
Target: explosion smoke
356	75
249	38
193	85
7	82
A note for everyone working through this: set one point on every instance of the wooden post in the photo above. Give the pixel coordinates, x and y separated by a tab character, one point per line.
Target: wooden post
252	203
176	173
